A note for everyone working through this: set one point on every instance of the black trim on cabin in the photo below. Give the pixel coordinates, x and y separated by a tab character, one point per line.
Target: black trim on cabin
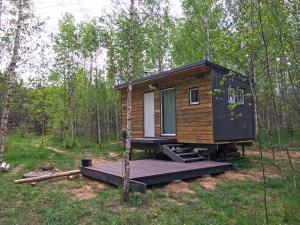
182	68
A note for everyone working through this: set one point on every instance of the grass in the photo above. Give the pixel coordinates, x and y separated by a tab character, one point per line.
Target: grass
289	138
232	202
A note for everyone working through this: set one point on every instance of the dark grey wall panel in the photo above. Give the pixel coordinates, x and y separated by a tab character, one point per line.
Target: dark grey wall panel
231	125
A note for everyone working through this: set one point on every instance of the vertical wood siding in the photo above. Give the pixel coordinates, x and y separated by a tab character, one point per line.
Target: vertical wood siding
194	124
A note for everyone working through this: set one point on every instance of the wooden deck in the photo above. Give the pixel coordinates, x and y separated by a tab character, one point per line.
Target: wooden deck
149	172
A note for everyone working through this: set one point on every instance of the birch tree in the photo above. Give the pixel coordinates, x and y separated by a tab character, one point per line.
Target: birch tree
11	77
129	96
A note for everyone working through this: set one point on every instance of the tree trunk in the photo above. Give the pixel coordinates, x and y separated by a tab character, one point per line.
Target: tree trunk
253	90
108	122
65	126
44	111
98	126
117	123
98	109
73	105
129	95
1	12
11	73
269	76
159	37
90	99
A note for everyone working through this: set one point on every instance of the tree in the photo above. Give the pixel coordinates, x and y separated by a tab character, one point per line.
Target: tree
39	91
66	47
196	35
157	27
11	77
129	98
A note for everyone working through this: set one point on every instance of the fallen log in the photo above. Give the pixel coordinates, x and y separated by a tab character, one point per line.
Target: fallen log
47	177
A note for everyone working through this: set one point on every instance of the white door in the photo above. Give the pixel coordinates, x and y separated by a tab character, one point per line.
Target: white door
149	122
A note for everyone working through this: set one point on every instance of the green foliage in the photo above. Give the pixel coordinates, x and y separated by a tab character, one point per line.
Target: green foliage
196	35
152	41
289	138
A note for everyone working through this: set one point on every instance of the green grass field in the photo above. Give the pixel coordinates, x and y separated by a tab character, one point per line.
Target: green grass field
50	202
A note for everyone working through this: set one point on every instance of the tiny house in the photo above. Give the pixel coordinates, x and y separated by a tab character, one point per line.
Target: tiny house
200	104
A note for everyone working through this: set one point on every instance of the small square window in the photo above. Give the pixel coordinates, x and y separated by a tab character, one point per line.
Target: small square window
240	96
231	95
194	96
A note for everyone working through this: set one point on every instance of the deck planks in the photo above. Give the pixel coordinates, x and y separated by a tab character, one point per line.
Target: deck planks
151	171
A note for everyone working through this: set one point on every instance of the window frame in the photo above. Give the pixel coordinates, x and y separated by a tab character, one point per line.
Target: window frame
240	90
190	96
229	94
161	113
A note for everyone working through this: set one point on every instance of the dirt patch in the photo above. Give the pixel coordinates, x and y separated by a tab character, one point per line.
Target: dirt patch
52	149
97	184
100	160
252	174
279	154
88	190
178	187
82	193
113	155
207	182
258	175
237	176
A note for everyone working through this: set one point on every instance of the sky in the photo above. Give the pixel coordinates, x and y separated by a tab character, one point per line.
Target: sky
82	9
53	10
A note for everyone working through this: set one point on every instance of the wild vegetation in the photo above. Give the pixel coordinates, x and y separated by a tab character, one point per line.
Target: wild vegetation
69	103
213	200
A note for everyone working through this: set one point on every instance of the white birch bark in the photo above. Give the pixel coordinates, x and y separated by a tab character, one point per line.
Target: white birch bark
11	77
129	96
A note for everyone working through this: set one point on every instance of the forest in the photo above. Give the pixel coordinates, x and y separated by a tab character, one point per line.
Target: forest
58	88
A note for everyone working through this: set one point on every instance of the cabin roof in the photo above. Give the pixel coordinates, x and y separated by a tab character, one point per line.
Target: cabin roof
178	69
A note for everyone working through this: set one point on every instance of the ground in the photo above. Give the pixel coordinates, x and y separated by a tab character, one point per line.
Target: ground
230	198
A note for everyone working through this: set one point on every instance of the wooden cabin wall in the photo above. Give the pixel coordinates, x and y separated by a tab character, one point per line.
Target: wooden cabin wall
194	124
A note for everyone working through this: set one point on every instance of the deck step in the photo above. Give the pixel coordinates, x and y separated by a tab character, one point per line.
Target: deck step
187	154
182	150
181	154
195	159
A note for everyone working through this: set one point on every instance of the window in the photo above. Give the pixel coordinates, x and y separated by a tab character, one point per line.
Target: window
240	96
231	95
168	112
194	96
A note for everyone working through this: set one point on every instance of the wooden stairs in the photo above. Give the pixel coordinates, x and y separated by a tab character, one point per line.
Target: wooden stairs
179	153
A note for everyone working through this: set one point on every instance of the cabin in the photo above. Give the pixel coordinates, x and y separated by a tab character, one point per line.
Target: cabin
201	104
176	112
